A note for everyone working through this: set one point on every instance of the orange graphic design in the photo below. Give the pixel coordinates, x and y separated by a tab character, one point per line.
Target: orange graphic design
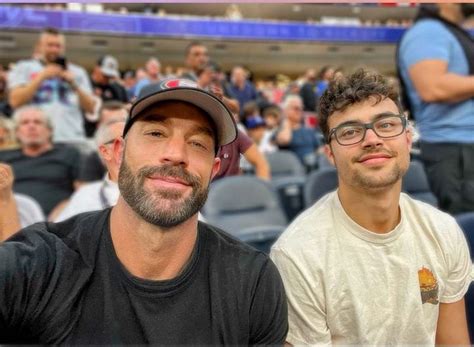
428	286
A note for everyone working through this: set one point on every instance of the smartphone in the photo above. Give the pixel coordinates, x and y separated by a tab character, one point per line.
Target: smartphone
61	61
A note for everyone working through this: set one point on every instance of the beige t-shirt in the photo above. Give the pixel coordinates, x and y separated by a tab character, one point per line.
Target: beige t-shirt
347	285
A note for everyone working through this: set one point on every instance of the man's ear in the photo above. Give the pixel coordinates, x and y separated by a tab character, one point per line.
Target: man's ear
329	154
215	167
118	150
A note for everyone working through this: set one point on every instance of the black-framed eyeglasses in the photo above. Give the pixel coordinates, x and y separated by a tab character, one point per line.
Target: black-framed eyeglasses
384	127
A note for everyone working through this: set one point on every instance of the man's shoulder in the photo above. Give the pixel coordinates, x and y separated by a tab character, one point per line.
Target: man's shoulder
9	155
229	247
44	243
311	228
426	27
429	222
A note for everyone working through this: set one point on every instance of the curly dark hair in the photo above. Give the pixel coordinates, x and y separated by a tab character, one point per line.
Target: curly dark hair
358	87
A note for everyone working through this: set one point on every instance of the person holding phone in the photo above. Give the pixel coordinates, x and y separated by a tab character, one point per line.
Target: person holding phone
60	88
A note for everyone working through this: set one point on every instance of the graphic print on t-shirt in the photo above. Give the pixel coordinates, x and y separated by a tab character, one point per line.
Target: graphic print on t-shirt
428	286
51	90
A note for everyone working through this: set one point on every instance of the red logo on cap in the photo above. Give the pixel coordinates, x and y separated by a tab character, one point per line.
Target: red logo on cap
176	83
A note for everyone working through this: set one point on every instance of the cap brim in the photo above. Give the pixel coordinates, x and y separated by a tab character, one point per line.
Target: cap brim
215	108
110	73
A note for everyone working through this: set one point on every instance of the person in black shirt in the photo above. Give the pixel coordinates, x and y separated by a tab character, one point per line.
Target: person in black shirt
146	271
104	82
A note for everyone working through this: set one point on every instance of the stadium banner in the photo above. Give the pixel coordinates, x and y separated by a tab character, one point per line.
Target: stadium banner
23	18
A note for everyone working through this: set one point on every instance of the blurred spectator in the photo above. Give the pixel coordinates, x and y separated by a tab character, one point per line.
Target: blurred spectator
169	73
16	210
104	81
208	79
251	110
61	88
7	137
243	90
293	136
272	117
92	167
197	58
308	91
153	74
233	12
129	81
44	171
325	75
4	106
258	132
104	193
230	158
436	61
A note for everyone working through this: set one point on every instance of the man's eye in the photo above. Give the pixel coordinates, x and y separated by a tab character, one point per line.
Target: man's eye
155	133
198	144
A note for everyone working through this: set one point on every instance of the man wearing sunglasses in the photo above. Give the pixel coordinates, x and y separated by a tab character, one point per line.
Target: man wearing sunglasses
367	264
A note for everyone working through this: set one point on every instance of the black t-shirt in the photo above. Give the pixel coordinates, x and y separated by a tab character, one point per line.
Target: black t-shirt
92	168
63	284
48	178
110	91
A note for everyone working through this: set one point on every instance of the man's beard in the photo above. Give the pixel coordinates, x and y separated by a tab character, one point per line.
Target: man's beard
161	207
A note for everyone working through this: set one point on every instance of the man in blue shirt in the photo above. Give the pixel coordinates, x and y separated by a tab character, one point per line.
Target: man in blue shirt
434	62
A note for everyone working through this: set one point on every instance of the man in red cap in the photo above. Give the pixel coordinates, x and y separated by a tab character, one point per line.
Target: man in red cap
146	271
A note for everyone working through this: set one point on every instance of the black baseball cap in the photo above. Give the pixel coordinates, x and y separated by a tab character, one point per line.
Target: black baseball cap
188	91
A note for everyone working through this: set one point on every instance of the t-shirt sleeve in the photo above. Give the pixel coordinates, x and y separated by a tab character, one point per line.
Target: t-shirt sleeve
244	142
18	76
429	41
24	262
269	312
83	81
459	266
306	302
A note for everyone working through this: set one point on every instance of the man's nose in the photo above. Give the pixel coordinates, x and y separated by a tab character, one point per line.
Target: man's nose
175	151
371	139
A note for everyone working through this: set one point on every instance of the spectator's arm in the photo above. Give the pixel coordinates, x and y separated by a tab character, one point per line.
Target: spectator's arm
55	212
87	101
434	83
258	160
452	325
9	220
284	134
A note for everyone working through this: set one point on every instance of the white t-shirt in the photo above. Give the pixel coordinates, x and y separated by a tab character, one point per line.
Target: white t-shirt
91	197
29	211
347	285
55	97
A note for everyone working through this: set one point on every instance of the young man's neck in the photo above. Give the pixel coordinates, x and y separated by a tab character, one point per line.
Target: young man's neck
147	251
377	211
34	151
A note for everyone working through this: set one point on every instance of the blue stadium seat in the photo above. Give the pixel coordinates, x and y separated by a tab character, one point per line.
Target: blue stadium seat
285	163
318	184
415	183
288	177
237	203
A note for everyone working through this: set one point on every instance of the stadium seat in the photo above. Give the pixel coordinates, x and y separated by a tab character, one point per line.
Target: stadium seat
415	183
284	164
237	203
288	177
261	237
466	222
319	183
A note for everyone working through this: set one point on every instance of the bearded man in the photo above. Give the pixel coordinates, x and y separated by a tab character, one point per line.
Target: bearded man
146	271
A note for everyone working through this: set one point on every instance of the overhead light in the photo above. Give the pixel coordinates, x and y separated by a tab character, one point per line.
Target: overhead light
296	8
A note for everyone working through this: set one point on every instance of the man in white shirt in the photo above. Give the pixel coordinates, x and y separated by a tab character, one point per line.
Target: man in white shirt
104	193
367	264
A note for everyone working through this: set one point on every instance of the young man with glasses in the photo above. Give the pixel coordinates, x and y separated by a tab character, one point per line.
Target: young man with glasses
367	264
